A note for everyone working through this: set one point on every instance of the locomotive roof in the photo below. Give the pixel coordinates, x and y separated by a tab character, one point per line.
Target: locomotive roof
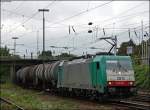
110	57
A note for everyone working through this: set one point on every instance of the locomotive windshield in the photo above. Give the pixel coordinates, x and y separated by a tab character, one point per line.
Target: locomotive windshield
119	66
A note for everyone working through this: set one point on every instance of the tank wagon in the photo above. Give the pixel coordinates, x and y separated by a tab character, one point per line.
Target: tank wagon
101	75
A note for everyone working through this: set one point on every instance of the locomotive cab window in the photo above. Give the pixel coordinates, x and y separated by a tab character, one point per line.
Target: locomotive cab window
97	65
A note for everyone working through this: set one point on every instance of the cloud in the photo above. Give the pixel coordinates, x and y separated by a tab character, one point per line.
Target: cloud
61	15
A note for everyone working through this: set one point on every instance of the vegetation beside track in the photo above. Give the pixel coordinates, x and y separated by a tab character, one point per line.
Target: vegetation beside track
37	100
29	99
142	76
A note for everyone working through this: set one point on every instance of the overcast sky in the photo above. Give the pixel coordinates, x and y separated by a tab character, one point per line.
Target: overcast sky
22	19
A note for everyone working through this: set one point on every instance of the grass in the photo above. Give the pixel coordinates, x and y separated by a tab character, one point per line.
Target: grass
142	76
37	100
30	99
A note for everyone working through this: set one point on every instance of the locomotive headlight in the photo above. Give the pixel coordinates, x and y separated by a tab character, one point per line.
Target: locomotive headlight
119	73
109	83
131	83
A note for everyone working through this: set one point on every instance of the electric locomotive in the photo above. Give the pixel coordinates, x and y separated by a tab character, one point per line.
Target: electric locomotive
105	75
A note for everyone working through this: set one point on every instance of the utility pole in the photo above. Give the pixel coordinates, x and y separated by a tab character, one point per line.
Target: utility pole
0	38
43	10
115	49
14	44
14	64
113	29
142	40
37	43
31	55
1	27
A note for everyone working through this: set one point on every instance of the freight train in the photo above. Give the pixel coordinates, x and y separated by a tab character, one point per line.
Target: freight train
98	76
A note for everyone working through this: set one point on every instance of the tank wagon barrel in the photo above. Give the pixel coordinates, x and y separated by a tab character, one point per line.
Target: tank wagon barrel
25	74
36	74
18	75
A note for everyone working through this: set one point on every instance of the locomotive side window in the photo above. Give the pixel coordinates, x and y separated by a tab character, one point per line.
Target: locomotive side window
97	65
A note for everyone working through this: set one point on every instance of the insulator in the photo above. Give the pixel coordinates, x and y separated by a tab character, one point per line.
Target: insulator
89	31
90	23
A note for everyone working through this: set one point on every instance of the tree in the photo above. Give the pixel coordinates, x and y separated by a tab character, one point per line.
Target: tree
137	49
123	47
4	51
4	69
65	56
46	55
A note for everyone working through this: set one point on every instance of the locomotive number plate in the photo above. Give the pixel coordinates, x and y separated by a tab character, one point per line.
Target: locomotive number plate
120	78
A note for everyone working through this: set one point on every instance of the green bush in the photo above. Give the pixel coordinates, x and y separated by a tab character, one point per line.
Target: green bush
4	73
142	76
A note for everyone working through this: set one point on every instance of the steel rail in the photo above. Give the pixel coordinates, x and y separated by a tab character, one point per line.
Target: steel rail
131	104
142	98
10	103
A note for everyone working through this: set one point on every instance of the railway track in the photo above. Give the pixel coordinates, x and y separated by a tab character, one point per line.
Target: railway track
142	98
139	102
127	103
133	105
143	92
10	103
